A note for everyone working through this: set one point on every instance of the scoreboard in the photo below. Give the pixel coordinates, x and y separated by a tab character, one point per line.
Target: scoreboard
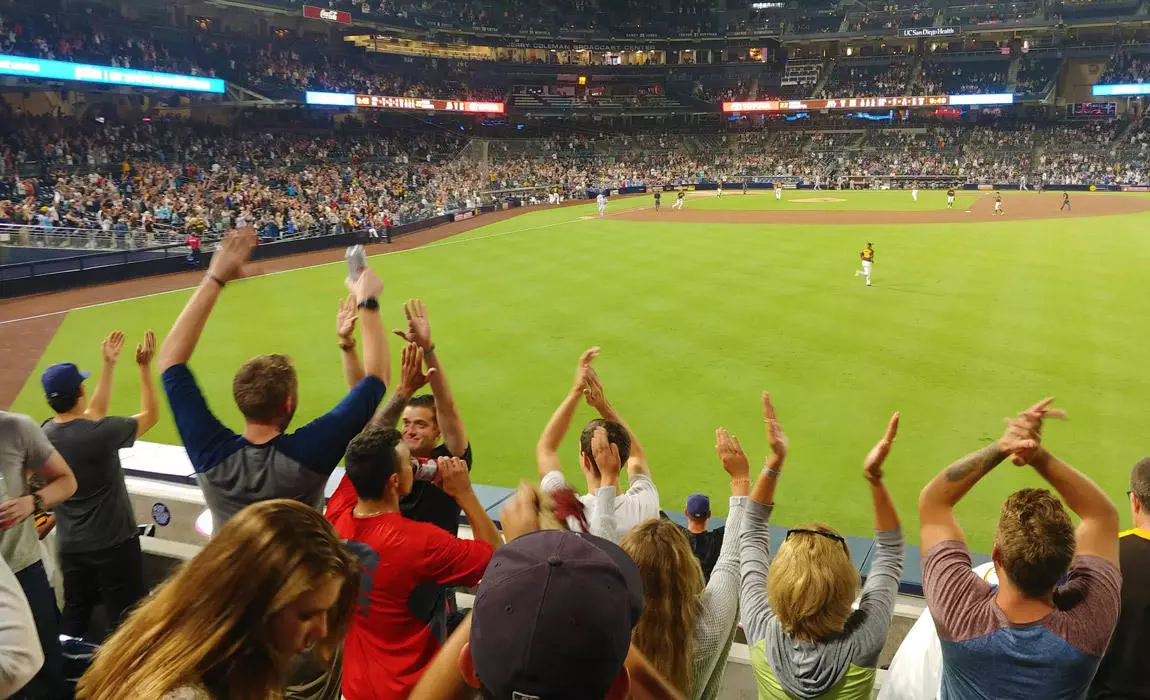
1092	110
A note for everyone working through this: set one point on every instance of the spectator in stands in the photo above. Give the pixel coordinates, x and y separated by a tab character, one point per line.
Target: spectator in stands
704	543
265	462
641	500
388	646
806	638
432	425
24	448
521	641
1122	673
687	625
433	430
100	555
1027	637
20	653
220	630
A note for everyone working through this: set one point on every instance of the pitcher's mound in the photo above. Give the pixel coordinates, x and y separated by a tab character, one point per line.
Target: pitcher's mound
818	200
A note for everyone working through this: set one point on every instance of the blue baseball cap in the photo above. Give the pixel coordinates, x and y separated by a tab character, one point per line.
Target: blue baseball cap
63	378
698	505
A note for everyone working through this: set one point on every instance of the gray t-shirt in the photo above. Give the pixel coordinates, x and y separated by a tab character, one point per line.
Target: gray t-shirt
99	515
23	446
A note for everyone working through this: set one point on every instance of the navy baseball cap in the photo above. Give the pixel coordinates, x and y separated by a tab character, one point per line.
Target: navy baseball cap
62	378
553	617
698	505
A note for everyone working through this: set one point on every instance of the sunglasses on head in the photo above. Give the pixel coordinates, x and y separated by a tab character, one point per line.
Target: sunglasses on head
829	535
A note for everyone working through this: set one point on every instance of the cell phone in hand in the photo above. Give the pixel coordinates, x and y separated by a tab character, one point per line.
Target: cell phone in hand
356	261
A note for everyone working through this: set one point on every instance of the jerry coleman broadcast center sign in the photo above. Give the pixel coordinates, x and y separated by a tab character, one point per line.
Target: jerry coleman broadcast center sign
325	14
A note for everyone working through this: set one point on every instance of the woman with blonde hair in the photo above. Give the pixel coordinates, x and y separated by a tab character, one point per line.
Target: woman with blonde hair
806	639
687	624
274	583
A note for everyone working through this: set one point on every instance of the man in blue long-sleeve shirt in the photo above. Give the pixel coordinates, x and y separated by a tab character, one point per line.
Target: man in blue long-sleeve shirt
265	462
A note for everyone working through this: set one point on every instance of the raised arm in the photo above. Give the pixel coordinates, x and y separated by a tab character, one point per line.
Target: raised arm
754	543
597	399
367	289
885	516
345	320
457	484
547	449
881	587
937	500
227	264
1097	533
604	522
102	395
446	411
149	413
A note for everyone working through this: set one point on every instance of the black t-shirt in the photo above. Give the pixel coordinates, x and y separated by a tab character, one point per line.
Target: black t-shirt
99	515
427	503
1122	673
705	545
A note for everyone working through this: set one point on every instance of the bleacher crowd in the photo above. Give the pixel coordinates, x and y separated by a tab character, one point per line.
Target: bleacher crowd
584	590
151	183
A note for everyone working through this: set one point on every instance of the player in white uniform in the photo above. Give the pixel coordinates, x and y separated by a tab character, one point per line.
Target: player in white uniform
720	189
778	191
998	204
914	191
601	200
678	200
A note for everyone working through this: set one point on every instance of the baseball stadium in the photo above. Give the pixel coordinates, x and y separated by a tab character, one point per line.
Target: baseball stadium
332	249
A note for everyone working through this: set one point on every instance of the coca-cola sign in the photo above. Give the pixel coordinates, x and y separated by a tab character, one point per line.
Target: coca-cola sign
327	15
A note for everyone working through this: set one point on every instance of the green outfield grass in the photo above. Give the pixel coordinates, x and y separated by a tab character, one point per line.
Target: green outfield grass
966	324
845	200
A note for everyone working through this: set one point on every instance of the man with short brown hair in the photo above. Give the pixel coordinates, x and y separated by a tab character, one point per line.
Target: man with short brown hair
265	462
1028	637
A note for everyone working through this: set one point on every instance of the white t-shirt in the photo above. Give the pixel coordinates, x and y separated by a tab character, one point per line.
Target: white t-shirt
20	653
638	503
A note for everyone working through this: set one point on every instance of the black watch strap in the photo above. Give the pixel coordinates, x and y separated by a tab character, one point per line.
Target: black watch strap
37	502
369	303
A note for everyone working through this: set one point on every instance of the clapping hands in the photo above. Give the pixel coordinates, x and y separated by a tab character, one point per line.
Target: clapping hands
775	435
1023	437
872	465
112	346
731	455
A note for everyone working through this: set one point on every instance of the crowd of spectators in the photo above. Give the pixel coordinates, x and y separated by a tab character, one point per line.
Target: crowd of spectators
352	598
1127	68
965	78
153	182
849	80
98	185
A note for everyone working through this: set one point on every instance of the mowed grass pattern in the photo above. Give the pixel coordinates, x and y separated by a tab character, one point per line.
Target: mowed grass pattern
966	324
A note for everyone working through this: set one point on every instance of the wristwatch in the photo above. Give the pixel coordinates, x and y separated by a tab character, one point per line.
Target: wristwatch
369	303
37	503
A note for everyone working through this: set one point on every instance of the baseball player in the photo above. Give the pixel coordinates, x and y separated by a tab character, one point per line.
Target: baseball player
658	199
998	204
914	191
1065	202
778	191
950	198
867	257
720	188
601	200
679	200
1022	183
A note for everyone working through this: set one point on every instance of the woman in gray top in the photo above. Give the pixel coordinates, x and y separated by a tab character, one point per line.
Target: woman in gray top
687	625
806	639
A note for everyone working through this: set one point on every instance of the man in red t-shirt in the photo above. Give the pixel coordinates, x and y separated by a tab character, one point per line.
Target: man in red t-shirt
388	647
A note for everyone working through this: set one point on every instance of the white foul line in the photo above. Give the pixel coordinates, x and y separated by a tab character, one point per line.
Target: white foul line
452	240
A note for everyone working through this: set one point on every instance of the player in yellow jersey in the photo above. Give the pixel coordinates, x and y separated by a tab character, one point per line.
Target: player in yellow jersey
867	256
